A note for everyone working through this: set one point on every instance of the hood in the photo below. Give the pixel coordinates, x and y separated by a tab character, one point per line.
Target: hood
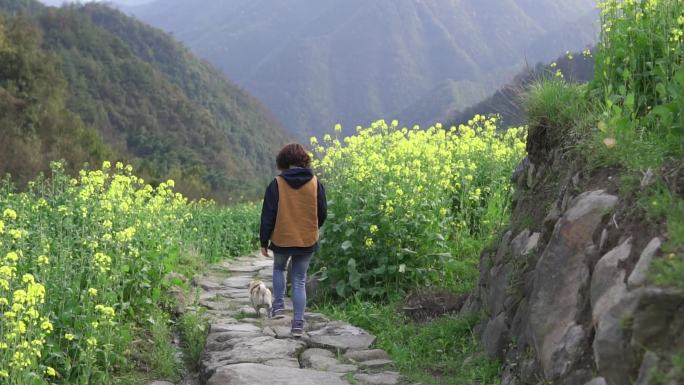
297	177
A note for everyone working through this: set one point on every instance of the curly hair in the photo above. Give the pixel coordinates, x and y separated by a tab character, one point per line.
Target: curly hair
293	154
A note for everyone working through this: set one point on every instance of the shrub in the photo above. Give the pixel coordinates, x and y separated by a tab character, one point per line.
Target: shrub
400	200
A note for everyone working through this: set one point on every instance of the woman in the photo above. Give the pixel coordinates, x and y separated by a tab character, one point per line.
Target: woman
293	211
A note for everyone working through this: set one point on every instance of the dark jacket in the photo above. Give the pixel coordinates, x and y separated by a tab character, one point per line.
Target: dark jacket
296	178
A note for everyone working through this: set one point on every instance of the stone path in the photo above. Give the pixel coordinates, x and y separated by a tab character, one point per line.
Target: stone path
242	349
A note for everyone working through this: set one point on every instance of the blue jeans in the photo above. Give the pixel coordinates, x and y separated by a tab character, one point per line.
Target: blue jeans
300	265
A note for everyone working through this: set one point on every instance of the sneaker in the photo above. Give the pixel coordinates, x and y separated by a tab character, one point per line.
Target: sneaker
297	328
277	313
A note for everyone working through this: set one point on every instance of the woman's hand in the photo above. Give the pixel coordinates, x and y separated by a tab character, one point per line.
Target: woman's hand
264	251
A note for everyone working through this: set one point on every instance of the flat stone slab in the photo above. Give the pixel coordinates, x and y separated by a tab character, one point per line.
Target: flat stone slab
261	349
233	327
386	378
252	374
376	364
366	355
283	363
340	336
238	282
244	268
206	283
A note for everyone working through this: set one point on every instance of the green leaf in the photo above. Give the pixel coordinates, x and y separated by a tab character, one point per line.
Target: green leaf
340	288
629	101
346	245
679	77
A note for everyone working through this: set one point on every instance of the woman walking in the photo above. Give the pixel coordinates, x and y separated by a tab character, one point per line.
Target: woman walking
294	209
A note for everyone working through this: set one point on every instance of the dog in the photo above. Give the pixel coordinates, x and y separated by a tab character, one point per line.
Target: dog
260	296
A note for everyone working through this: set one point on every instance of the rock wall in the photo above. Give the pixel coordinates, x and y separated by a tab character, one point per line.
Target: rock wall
565	297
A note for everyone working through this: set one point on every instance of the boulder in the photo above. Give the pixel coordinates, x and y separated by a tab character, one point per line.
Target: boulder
639	274
498	282
658	321
608	280
494	337
648	367
560	281
613	354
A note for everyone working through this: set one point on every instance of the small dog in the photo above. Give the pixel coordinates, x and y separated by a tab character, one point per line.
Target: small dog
260	296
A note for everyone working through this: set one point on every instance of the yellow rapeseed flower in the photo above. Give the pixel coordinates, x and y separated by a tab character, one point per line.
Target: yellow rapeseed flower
9	213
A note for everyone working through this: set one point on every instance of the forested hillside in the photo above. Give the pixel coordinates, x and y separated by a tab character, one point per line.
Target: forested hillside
318	63
87	81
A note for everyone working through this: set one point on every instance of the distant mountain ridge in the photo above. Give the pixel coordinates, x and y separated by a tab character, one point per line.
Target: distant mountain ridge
316	63
142	97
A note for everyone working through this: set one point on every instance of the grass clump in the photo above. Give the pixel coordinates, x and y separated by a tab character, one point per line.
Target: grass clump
162	356
443	351
194	329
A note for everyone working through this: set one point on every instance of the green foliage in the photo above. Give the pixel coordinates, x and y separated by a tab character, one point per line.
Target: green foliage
444	351
35	126
82	267
413	207
640	76
661	204
639	83
94	72
219	232
162	354
194	329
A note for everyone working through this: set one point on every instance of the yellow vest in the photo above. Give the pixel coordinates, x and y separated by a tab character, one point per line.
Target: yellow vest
297	217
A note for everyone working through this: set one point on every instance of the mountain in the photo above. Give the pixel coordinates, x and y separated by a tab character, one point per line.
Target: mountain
508	101
131	92
124	3
317	63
